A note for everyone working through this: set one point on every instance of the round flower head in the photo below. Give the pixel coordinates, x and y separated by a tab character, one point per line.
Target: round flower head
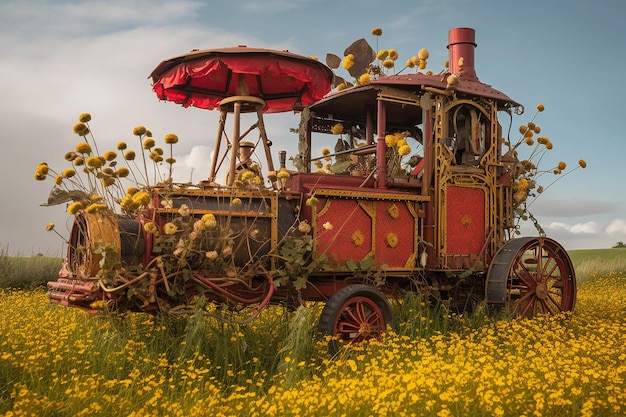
404	150
423	54
79	161
83	148
70	156
84	117
171	138
393	54
409	63
365	78
582	163
110	155
49	227
129	155
121	146
58	179
540	107
382	54
148	143
81	129
377	31
348	62
236	201
171	161
142	197
337	129
562	165
122	172
75	207
151	227
170	228
139	130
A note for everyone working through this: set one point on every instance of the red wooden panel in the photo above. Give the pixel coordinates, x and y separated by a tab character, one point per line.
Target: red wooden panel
465	220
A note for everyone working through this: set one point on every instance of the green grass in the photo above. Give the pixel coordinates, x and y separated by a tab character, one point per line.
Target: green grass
592	262
27	272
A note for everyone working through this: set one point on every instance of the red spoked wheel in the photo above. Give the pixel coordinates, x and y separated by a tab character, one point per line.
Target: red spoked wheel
355	314
530	276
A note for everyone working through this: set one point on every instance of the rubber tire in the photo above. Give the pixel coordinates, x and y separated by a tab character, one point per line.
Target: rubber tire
336	305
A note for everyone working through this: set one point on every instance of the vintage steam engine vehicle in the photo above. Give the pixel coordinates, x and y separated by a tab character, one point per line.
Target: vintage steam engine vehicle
352	233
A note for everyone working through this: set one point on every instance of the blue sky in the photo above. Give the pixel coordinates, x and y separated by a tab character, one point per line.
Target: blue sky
60	58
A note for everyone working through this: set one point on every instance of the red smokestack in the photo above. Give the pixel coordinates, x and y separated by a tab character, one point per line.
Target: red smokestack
461	44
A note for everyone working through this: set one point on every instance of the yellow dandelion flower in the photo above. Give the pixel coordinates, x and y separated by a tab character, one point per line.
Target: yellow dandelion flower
170	228
388	63
79	161
122	172
393	54
209	220
549	145
84	118
342	86
422	64
70	156
81	129
121	146
423	54
404	150
314	57
94	162
236	201
522	184
151	227
247	175
537	129
582	163
110	155
154	155
58	179
540	107
69	173
171	138
337	129
415	60
83	148
282	173
382	54
409	63
129	155
139	130
391	140
148	143
365	78
562	165
311	201
75	207
530	141
132	191
542	140
49	227
348	62
142	198
96	208
377	31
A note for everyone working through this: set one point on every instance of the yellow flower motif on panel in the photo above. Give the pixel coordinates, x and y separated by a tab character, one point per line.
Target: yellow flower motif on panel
358	238
392	240
393	211
466	220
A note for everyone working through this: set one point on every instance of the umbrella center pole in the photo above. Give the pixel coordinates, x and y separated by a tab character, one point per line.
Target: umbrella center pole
238	105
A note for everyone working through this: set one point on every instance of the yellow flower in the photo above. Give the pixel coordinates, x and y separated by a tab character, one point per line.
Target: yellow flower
393	54
84	117
549	145
382	54
282	173
142	198
404	150
148	143
530	141
423	54
129	155
121	146
151	227
582	163
409	63
236	201
311	201
327	226
139	130
79	161
69	173
342	86
171	138
49	227
209	220
388	63
81	129
212	255
247	175
523	129
96	208
365	78
122	172
348	62
170	228
540	107
110	155
325	151
75	207
562	165
184	210
337	129
314	57
171	161
391	140
377	31
94	162
58	179
83	148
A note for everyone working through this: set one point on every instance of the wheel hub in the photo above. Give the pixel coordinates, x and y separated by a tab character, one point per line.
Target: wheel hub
541	290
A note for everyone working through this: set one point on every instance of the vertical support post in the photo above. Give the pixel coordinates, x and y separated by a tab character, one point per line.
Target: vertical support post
218	141
235	151
381	147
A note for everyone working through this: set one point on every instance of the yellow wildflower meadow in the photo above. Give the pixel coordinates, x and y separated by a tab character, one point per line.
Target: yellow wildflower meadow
59	361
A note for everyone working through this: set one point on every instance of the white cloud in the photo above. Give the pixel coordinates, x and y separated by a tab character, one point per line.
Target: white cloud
588	227
617	226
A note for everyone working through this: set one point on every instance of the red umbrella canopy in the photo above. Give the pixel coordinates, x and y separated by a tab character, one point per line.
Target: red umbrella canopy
203	78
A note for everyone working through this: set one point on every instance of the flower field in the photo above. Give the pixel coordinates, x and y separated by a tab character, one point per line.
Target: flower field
57	361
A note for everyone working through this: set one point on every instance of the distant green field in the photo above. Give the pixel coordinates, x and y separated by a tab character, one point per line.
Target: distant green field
588	262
